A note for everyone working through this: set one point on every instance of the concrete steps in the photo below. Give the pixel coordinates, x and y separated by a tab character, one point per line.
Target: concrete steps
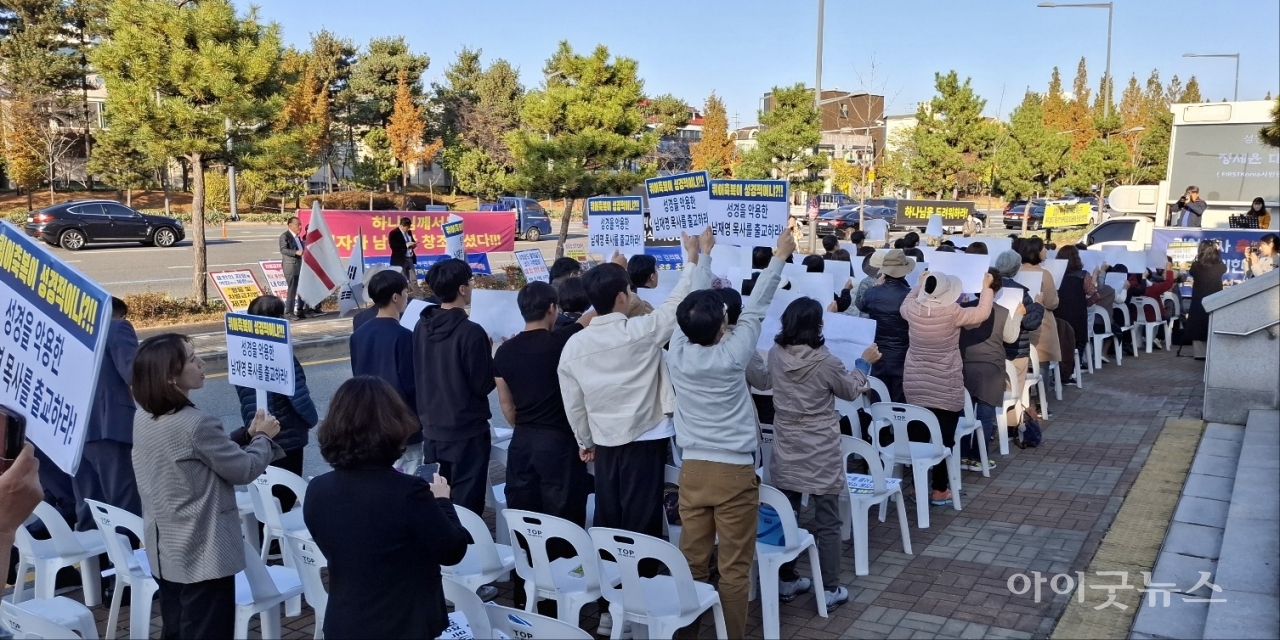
1227	524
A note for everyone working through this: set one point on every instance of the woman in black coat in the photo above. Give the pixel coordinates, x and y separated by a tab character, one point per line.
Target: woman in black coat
384	533
1206	279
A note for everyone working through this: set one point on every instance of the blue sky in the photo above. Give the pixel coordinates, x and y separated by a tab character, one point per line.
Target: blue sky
740	49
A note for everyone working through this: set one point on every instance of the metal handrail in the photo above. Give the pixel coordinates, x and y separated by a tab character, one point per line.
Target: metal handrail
1242	334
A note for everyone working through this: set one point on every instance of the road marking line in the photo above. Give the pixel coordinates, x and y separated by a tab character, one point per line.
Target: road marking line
223	374
228	264
143	281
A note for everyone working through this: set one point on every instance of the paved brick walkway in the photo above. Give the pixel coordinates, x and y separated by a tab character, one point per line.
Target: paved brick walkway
1043	509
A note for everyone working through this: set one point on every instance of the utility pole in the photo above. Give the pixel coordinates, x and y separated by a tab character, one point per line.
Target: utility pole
817	104
231	177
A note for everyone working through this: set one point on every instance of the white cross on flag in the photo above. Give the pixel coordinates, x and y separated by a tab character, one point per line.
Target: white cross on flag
322	270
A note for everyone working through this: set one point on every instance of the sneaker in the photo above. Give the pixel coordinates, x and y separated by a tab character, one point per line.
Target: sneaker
969	464
606	627
836	597
487	593
787	591
940	498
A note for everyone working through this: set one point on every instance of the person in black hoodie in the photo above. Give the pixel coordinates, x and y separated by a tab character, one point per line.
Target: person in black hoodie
453	370
297	413
383	348
573	301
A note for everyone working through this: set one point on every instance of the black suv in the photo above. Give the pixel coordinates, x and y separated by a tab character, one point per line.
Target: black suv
74	224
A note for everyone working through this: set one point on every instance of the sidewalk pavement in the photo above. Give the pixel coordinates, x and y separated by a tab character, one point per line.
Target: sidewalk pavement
1045	509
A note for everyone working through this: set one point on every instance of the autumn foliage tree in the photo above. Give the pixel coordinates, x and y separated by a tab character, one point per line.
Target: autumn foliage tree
405	131
715	153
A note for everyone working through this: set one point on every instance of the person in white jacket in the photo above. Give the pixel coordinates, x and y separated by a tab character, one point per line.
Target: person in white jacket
616	392
717	430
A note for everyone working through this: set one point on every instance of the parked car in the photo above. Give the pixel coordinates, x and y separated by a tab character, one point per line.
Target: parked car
74	224
531	218
841	222
1013	215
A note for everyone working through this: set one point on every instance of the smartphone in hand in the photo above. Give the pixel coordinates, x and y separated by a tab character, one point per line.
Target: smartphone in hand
13	436
429	471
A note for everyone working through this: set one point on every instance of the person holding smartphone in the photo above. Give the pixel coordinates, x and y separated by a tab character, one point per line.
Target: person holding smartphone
20	489
385	533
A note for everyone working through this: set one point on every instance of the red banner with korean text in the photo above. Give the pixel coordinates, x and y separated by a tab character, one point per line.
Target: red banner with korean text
485	231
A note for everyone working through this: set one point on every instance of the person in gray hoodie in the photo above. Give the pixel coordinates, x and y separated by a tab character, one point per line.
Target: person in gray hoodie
807	379
717	429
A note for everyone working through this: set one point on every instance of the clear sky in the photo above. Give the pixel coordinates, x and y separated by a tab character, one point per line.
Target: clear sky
741	48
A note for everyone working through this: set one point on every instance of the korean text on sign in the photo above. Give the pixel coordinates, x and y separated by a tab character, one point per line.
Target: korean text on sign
238	288
678	203
533	265
273	271
916	213
615	224
748	213
259	353
55	324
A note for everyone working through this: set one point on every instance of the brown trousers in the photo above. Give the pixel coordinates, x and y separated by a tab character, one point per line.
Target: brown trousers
721	499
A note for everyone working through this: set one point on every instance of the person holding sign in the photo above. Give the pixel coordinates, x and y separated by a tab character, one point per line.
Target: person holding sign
983	355
187	468
453	372
717	429
1019	353
883	303
807	379
935	317
1046	339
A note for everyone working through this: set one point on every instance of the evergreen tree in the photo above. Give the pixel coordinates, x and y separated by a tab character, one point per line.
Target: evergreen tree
373	80
122	164
1079	113
1032	156
175	73
951	138
405	132
582	132
1191	94
666	114
1271	133
377	166
715	152
789	136
480	107
1055	105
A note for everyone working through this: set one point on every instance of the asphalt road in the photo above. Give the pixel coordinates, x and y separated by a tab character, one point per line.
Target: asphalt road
323	379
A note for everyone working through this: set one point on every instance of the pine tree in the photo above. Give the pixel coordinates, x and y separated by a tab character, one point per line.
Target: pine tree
789	132
582	131
950	138
1033	155
175	73
1079	113
1055	104
374	80
1191	94
715	152
120	162
479	108
1270	134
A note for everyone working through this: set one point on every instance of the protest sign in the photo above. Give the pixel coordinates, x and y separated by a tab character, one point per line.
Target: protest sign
725	257
533	265
260	355
1091	259
865	485
238	288
497	312
840	271
1157	259
813	285
913	278
934	227
1010	297
1057	269
55	329
454	245
576	249
1032	280
876	229
748	212
970	269
409	319
678	203
1182	254
1066	215
670	258
847	337
772	323
1133	261
657	295
273	272
616	224
486	231
1115	280
916	213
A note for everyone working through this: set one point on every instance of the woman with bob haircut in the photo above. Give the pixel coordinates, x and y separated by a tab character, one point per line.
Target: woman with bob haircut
187	468
807	379
384	533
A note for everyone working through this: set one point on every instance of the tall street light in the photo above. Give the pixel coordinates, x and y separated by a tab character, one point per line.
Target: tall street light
1106	79
817	104
1235	95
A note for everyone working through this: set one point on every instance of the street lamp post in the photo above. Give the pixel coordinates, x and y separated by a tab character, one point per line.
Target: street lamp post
817	104
1235	95
866	166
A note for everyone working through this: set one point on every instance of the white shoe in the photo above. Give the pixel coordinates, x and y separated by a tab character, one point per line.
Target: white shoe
606	627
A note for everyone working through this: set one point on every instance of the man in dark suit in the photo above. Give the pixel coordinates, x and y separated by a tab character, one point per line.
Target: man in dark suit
403	249
291	246
106	469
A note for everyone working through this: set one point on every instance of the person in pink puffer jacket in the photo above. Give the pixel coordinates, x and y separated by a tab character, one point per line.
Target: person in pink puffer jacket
934	370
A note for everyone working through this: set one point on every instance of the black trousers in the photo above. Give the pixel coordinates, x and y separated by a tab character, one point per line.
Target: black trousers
292	461
105	475
291	297
630	486
198	610
546	475
465	464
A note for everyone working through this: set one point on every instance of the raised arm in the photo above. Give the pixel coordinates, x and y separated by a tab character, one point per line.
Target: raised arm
1048	289
227	459
980	313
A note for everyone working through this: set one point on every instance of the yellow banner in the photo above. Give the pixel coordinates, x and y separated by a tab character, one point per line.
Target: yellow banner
1061	215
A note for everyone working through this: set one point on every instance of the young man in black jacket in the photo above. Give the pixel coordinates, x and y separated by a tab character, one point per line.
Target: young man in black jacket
453	370
383	348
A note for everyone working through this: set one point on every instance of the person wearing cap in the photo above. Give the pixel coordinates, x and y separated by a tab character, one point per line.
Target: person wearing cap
1191	208
934	317
883	303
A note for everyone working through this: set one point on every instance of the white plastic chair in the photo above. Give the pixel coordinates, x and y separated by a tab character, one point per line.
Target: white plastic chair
766	453
770	558
1055	368
1097	340
309	561
485	562
969	425
248	520
877	385
1035	378
132	568
55	618
663	603
920	456
260	590
671	475
1149	328
571	582
63	548
466	602
531	626
1012	402
1127	324
882	488
496	499
277	524
1175	301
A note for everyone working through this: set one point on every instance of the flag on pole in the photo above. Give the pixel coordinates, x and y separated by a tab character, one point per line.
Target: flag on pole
351	294
322	270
